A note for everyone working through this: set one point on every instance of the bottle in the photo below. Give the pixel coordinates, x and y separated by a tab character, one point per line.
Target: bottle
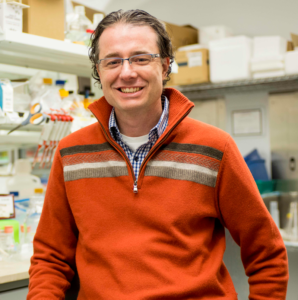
97	18
76	25
33	215
26	246
23	183
9	240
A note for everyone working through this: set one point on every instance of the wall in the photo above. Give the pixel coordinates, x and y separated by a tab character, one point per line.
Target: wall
251	18
246	101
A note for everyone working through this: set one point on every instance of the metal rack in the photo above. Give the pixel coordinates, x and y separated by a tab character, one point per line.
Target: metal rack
219	90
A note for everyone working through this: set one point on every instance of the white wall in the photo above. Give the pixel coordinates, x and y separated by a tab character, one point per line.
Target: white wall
253	17
261	142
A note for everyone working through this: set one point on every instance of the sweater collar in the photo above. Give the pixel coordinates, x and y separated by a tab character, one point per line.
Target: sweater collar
180	106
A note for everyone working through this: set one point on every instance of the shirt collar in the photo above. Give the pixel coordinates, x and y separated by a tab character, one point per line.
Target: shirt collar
158	129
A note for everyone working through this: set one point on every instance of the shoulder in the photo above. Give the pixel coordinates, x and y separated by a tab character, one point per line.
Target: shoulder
91	134
192	131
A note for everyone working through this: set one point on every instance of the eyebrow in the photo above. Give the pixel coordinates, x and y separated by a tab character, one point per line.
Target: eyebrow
116	54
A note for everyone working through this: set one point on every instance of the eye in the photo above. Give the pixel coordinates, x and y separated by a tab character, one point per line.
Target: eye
113	62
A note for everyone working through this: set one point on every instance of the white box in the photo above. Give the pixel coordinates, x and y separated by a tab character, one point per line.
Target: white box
230	59
211	33
11	16
278	73
291	62
269	46
266	66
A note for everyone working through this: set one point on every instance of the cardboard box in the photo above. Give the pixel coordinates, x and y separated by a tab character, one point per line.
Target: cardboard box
89	11
44	18
294	40
193	67
181	35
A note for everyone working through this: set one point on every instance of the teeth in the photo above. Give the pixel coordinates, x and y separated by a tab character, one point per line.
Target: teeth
130	90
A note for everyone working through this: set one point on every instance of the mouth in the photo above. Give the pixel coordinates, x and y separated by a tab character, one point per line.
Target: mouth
130	90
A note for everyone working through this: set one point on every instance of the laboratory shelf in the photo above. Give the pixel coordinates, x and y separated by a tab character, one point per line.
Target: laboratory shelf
218	90
291	244
27	50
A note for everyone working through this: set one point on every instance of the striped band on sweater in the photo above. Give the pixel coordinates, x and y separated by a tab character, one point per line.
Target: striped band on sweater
188	162
92	161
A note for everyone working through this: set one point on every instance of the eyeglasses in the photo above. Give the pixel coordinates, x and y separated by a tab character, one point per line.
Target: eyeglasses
135	60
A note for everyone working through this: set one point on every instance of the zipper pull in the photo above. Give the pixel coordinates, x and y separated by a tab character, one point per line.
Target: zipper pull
135	187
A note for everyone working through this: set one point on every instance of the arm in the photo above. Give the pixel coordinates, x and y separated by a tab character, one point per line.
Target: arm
243	212
55	242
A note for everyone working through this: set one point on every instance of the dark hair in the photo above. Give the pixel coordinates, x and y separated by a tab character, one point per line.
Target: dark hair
135	17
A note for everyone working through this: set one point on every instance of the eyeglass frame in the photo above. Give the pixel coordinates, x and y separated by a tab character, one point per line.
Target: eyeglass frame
128	59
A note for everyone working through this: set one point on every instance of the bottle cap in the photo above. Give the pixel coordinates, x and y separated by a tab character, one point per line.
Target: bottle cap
38	191
79	9
89	30
8	229
47	81
60	82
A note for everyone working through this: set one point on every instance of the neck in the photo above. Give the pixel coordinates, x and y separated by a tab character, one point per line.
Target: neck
136	123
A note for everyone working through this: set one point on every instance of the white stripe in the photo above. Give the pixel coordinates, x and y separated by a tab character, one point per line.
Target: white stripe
183	166
94	165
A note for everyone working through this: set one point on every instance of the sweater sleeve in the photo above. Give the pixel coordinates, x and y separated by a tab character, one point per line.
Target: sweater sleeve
245	215
54	243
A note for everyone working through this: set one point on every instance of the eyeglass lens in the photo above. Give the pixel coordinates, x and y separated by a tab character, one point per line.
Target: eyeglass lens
138	60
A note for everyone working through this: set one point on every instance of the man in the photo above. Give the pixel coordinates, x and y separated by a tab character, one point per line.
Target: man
138	202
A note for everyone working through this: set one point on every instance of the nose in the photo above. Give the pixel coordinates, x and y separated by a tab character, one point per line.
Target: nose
127	71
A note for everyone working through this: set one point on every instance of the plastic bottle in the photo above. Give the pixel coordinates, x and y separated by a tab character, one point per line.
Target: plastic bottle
9	244
97	18
76	25
23	183
33	215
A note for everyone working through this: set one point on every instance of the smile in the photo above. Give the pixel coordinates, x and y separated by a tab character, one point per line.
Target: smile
130	90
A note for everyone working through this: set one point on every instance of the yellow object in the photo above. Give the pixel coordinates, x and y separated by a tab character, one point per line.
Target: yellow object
63	93
38	191
47	81
79	43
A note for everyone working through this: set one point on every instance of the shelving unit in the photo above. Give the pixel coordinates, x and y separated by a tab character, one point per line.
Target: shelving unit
218	90
27	50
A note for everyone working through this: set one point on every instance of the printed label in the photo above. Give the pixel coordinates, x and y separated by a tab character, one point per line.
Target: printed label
195	59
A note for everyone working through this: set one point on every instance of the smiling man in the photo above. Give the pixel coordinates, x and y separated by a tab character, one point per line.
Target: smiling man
137	203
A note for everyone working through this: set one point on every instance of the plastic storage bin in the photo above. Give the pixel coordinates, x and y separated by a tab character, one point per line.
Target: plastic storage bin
267	186
230	59
258	169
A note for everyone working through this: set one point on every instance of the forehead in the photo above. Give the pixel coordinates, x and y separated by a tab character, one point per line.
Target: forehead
126	39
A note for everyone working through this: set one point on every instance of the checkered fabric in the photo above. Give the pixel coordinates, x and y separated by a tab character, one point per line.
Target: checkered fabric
136	158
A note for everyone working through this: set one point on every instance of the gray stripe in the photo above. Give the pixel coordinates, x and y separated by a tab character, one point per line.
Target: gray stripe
95	173
179	174
85	149
191	148
94	165
183	166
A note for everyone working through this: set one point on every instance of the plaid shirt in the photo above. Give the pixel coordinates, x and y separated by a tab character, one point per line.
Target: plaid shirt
136	158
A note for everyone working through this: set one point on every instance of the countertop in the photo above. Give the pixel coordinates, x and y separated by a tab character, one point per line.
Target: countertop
13	271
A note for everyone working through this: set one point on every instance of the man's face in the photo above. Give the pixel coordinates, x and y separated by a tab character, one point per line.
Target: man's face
125	40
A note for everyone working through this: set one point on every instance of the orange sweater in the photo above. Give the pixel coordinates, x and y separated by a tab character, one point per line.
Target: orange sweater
167	240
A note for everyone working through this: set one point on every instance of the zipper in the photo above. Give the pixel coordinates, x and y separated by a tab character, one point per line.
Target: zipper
135	181
161	141
135	186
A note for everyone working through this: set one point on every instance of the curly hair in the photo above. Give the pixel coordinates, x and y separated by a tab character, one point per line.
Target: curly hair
135	17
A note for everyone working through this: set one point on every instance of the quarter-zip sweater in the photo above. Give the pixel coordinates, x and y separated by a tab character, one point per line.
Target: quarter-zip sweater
167	240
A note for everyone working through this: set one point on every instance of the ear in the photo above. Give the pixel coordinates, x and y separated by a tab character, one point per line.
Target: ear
97	68
165	66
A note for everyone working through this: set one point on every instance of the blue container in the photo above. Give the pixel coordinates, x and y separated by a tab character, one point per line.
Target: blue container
254	155
258	169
